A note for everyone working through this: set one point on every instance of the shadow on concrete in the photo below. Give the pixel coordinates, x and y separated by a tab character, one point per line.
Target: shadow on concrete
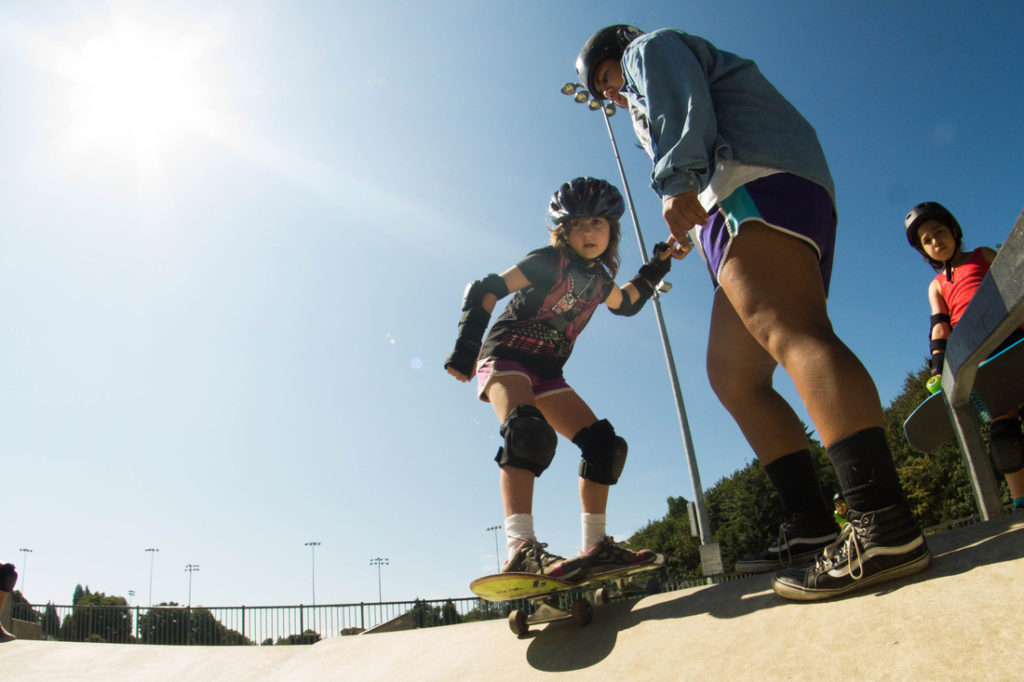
564	647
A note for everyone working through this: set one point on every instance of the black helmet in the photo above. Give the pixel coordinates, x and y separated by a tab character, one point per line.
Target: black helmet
608	43
930	210
837	497
586	197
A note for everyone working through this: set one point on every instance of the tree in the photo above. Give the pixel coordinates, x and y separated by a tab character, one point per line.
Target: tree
97	617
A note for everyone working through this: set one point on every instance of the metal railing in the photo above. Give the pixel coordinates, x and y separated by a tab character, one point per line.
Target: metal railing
242	625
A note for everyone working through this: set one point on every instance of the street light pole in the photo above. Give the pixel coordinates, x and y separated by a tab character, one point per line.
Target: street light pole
24	567
378	562
497	553
608	110
313	544
152	553
190	569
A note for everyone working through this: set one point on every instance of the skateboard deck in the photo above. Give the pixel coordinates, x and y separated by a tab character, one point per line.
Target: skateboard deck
998	388
546	594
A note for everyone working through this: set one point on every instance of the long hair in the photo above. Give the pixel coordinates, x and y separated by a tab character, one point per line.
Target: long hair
610	258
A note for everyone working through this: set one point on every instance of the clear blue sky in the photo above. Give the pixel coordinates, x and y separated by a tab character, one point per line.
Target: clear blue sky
234	237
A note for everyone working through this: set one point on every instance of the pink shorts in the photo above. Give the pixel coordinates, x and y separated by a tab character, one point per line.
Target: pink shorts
491	368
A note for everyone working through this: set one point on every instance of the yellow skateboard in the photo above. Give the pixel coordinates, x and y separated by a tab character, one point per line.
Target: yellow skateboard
546	593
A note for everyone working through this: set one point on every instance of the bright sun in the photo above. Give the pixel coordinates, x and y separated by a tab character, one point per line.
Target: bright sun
133	98
130	88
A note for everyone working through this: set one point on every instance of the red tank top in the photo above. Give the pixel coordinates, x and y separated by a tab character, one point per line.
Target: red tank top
966	279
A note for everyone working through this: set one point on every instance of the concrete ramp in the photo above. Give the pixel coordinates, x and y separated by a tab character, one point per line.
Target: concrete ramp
963	618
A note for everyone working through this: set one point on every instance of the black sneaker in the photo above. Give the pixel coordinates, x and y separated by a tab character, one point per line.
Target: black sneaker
873	547
532	557
801	538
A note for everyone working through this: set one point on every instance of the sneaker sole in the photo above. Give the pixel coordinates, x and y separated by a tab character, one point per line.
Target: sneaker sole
802	593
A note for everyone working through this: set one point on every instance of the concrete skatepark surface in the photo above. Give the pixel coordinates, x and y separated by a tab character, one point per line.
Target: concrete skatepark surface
963	618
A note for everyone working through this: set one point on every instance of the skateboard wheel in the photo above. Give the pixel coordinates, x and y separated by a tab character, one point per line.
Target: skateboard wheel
517	623
601	596
582	612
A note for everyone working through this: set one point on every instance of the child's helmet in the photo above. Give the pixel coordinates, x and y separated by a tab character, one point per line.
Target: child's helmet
608	43
586	197
930	210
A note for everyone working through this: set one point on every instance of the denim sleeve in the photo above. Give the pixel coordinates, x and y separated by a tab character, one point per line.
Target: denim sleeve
667	76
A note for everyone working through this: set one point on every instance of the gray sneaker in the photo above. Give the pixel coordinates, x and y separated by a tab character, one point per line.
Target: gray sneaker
532	557
608	557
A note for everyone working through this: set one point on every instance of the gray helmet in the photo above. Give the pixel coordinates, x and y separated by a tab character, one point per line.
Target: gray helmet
608	43
586	197
930	210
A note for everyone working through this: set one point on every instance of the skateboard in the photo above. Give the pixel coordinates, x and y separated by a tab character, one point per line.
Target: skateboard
552	599
998	388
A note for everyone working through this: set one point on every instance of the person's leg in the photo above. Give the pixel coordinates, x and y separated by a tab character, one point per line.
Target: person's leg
740	371
572	417
1006	448
773	282
528	439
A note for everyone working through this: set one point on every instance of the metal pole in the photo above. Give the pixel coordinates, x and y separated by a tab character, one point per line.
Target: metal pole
497	553
24	567
378	562
152	553
703	524
190	569
313	544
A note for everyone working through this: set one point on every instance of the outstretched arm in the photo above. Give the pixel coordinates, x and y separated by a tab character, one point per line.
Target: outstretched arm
478	303
630	298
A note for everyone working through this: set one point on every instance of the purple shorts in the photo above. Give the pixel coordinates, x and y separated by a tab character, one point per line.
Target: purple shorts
492	368
782	201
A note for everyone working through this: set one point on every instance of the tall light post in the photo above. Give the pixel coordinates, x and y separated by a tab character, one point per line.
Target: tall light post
378	562
497	554
152	553
579	94
190	569
313	544
24	567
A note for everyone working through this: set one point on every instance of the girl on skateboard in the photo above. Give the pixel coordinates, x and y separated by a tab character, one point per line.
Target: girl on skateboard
936	234
518	368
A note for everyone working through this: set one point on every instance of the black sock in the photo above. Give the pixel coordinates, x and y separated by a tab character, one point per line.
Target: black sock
796	480
866	471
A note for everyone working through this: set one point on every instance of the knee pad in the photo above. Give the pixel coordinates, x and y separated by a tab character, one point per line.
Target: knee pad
529	440
1006	446
8	576
603	453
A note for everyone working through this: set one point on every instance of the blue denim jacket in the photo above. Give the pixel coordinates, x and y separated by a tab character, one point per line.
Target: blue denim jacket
697	105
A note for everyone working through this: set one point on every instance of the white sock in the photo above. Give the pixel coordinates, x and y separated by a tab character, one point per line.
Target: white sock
594	527
518	527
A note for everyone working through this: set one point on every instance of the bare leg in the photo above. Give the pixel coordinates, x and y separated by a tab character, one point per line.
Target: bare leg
516	484
772	282
568	414
740	372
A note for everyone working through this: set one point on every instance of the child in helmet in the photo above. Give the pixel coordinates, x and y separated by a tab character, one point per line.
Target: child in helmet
736	162
935	233
519	369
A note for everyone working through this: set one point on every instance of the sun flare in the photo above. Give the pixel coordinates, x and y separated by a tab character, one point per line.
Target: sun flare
130	89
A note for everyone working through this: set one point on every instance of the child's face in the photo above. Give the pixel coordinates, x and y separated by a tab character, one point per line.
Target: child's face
609	81
936	240
589	236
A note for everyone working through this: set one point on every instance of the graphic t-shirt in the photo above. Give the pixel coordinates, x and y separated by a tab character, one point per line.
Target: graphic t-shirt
542	321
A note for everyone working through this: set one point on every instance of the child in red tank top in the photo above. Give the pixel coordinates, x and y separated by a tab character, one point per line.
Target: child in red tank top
933	231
